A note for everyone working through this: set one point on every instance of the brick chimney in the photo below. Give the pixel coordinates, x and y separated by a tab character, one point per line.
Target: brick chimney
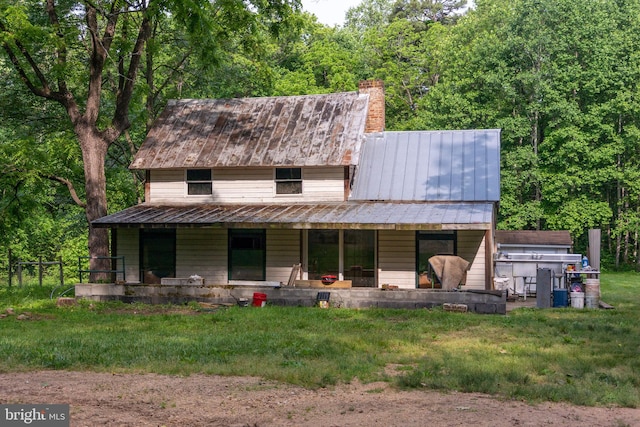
376	113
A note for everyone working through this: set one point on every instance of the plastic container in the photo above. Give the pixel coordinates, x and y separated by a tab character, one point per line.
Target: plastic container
560	298
585	262
592	293
577	299
259	299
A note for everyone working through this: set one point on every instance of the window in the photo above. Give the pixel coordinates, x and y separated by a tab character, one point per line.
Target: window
199	182
349	254
288	181
359	257
157	255
247	254
324	253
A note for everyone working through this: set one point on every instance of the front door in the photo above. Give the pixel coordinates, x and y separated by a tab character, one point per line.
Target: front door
359	257
157	255
431	243
247	254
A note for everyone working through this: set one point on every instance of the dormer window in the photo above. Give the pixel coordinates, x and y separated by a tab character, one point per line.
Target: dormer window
199	182
288	181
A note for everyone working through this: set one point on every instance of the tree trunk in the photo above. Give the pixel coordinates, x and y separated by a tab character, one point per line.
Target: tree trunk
94	151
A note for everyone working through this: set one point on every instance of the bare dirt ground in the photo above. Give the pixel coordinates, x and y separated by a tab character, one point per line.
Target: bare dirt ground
103	399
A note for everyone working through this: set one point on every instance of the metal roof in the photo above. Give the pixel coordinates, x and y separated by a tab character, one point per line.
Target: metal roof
534	237
447	165
309	130
345	215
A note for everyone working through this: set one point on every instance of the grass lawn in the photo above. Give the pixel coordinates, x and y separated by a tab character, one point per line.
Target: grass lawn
586	357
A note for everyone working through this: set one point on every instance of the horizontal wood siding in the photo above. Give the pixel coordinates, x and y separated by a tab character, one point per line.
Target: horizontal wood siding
167	185
323	184
471	246
397	258
283	251
202	251
128	245
248	185
245	185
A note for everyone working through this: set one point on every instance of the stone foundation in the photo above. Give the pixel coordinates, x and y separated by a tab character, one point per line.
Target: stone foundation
485	302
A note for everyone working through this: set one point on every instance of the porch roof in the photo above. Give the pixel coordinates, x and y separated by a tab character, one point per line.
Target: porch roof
343	215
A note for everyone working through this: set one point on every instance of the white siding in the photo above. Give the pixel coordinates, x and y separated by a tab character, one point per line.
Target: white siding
167	185
243	185
397	258
471	246
128	245
202	251
323	184
248	185
283	251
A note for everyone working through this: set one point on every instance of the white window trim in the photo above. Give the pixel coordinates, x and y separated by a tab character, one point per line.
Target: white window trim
187	182
275	182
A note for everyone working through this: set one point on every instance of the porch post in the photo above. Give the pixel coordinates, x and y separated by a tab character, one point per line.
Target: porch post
488	258
305	254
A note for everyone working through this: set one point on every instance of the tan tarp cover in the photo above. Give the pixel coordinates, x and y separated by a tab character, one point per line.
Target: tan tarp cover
449	269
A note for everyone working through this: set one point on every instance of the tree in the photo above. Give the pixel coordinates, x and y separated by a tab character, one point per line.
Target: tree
560	78
428	11
86	56
319	59
369	14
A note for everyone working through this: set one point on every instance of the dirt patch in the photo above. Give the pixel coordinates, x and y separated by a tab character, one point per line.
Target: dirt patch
102	399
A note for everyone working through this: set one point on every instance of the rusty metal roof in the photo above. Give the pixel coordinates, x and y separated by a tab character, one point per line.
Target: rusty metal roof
309	130
345	215
443	165
534	237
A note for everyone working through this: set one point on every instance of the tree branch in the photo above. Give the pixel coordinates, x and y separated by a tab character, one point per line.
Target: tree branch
72	190
45	91
125	92
98	54
61	51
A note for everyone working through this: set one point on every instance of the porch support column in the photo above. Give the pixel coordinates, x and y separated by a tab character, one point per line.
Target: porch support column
488	260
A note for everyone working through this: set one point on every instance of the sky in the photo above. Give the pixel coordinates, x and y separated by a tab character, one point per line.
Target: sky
329	12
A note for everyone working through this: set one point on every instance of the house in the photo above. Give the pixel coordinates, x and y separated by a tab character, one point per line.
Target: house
240	190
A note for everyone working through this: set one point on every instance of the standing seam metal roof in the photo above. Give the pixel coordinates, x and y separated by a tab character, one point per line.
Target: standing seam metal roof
457	165
309	130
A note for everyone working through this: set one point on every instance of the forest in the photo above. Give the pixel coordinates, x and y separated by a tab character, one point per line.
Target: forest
82	81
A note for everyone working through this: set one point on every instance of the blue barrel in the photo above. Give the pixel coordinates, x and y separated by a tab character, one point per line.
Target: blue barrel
560	298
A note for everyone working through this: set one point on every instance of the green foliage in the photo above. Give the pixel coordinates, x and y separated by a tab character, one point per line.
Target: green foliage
427	11
558	78
323	60
197	48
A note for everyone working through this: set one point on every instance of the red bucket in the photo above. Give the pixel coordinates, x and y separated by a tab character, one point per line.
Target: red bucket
259	299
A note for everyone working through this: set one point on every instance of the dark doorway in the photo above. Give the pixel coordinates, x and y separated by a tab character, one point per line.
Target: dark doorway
247	254
157	255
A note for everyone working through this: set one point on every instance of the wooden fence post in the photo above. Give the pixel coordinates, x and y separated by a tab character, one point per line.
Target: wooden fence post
19	272
10	269
61	273
40	270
